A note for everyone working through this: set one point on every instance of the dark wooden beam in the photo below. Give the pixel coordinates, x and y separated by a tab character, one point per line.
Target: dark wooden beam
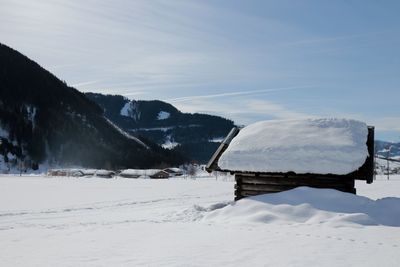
212	164
369	164
299	181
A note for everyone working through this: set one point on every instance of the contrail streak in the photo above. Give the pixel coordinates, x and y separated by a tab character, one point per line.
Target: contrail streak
334	38
85	83
189	98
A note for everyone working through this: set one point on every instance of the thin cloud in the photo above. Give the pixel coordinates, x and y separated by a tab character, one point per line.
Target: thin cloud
133	94
253	92
85	83
333	39
242	111
63	66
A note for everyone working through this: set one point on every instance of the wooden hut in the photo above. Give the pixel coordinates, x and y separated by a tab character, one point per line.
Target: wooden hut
88	172
104	173
337	137
65	172
160	174
145	173
174	171
57	172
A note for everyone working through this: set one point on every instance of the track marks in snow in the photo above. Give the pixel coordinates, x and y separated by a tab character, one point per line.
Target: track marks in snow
302	231
160	210
331	238
94	206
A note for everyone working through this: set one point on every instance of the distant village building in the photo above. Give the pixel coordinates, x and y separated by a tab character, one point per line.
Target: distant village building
81	173
77	173
147	173
88	172
161	174
65	172
104	173
174	171
274	156
57	172
131	173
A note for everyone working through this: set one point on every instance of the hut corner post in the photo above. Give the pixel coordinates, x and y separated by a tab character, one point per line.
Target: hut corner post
371	157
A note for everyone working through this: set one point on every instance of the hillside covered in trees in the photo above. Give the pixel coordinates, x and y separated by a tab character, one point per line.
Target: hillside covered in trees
196	136
43	120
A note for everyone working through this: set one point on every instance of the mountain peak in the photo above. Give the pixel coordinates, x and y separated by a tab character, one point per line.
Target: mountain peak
193	135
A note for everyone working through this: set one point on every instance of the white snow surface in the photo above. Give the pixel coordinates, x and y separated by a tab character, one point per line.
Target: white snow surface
307	205
66	221
336	146
217	139
169	143
11	156
163	115
32	115
127	109
3	133
164	129
130	110
126	134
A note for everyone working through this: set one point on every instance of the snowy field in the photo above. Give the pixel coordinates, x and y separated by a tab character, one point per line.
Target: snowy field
69	221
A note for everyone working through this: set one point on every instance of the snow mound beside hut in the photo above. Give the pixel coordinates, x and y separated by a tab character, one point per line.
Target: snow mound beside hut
335	146
310	206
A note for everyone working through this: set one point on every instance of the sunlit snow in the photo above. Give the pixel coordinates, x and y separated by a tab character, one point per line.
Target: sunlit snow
66	221
336	146
163	115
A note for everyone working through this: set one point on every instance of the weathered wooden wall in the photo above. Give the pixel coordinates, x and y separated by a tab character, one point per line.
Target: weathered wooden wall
251	184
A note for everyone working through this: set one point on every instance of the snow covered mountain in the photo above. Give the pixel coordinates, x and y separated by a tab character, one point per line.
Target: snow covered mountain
42	120
196	136
385	149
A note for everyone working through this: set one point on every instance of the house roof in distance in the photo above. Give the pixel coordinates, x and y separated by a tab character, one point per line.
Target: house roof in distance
321	146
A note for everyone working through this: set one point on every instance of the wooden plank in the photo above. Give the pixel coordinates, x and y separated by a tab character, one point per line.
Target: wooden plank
360	174
318	176
272	175
296	181
300	181
245	174
292	174
258	187
296	176
248	193
260	192
284	187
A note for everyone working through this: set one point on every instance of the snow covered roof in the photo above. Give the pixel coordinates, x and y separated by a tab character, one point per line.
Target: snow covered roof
323	146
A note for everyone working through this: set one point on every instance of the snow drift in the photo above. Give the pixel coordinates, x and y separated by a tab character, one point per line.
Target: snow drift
310	206
336	146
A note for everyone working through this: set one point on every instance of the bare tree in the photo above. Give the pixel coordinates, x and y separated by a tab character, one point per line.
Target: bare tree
191	170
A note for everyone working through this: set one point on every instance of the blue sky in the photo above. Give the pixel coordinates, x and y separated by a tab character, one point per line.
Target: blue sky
244	60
